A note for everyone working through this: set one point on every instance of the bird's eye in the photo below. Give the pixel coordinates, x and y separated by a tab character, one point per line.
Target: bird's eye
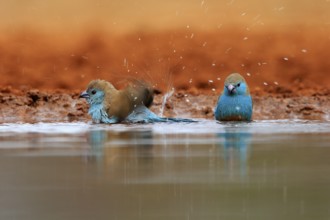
93	92
238	84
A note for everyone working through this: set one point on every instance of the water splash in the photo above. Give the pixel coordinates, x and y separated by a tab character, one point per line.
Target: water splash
166	96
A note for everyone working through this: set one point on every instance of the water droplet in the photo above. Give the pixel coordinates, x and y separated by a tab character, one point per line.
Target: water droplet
230	2
190	81
245	38
187	100
213	64
188	26
276	83
210	81
266	84
248	74
285	58
213	89
237	108
228	49
244	13
304	50
218	78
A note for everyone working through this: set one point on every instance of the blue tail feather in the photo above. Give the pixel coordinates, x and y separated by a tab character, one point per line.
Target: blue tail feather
143	115
178	120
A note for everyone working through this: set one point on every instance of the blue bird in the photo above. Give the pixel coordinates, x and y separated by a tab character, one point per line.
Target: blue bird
235	102
109	105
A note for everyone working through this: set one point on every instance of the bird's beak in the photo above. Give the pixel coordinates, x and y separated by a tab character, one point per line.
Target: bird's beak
84	95
231	88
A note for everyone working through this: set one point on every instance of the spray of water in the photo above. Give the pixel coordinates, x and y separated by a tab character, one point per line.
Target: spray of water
165	98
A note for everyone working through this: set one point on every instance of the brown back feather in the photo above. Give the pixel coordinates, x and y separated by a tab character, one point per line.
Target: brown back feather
121	103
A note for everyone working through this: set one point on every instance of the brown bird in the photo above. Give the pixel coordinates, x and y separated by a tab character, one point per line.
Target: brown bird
109	105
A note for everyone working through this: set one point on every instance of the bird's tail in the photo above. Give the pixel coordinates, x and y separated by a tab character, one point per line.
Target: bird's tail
158	119
143	115
176	120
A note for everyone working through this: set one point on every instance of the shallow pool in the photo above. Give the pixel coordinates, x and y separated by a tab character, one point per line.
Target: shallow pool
205	170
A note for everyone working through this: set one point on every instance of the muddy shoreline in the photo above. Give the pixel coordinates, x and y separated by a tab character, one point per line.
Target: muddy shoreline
33	105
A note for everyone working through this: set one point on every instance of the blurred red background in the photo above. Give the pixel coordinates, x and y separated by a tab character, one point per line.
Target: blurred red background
185	44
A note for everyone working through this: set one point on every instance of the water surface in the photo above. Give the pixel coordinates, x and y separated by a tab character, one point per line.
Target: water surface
205	170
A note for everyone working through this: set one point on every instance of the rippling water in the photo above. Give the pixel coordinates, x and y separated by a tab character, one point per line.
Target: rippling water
206	170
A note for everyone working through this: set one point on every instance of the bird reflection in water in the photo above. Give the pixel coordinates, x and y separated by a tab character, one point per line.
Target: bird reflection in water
108	144
236	149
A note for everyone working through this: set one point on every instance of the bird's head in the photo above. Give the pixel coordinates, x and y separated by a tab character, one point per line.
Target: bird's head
96	91
235	84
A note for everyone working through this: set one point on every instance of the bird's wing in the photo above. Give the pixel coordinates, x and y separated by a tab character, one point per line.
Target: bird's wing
140	92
